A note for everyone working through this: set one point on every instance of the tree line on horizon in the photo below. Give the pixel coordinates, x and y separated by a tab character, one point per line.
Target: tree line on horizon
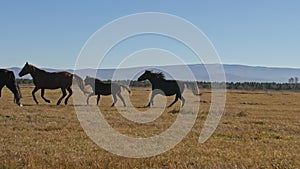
292	84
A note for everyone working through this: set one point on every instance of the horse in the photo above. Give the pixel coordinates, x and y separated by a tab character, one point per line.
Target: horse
52	80
166	87
7	78
107	88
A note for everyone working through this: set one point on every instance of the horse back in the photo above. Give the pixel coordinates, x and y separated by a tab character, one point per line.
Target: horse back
6	76
106	88
169	87
54	80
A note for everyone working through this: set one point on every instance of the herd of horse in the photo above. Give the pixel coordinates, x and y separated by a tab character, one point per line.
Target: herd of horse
63	80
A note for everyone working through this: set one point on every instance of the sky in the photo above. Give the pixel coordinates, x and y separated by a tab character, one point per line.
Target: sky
52	33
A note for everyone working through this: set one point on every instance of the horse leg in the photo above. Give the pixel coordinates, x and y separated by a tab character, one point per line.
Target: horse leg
70	94
176	99
63	90
1	86
182	100
115	100
33	94
98	99
42	95
15	91
154	92
87	99
120	96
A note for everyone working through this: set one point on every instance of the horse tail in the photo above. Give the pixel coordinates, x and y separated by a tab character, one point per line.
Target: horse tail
193	87
80	83
125	87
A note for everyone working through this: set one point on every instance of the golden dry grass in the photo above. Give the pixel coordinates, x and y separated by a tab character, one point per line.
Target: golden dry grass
258	130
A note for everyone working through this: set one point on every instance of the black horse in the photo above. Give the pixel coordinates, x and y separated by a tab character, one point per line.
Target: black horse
51	80
166	87
7	78
107	88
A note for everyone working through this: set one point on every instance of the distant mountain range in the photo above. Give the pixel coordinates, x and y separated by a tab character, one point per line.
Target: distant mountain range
234	73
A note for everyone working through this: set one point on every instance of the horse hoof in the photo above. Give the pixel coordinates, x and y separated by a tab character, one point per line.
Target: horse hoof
21	105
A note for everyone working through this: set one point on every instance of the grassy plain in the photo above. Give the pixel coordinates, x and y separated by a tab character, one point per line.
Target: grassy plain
260	129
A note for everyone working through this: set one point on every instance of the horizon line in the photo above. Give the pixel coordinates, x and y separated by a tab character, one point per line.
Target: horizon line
226	64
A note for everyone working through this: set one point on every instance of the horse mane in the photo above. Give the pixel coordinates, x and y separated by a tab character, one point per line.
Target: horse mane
159	75
38	69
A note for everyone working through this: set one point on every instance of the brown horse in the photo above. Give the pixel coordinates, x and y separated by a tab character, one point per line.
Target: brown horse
51	80
7	78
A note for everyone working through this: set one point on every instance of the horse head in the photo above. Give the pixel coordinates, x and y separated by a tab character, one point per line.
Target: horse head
146	75
14	87
25	70
151	76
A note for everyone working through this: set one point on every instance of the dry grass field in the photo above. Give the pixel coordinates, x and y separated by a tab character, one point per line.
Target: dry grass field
260	129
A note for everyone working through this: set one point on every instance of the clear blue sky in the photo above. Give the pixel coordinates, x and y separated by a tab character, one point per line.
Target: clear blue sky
52	33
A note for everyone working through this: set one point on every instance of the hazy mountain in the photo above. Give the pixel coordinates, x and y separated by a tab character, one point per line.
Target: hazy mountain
234	73
16	70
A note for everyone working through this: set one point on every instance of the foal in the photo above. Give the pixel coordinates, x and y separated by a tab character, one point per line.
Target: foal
101	88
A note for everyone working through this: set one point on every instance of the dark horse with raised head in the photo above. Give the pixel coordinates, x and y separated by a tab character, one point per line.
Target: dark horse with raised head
166	87
105	88
51	80
7	78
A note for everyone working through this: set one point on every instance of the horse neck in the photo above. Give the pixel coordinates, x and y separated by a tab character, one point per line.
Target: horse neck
92	84
35	72
154	80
